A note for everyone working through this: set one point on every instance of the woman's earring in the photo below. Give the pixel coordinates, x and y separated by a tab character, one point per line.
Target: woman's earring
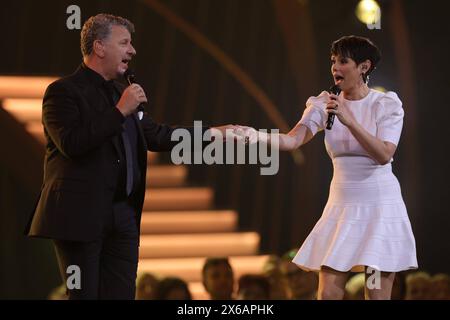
365	78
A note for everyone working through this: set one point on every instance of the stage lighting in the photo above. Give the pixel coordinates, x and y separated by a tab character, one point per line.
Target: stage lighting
368	11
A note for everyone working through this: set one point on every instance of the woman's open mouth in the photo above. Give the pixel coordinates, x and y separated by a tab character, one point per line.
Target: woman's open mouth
338	79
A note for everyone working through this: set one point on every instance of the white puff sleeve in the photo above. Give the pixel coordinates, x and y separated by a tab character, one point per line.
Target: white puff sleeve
315	116
390	118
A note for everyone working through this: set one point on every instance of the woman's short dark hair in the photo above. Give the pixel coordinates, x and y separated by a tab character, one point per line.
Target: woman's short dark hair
358	49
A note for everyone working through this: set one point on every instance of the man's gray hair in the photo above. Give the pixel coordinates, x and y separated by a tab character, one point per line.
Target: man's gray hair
99	28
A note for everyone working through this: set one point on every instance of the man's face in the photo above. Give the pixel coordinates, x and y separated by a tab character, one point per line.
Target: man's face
219	281
116	52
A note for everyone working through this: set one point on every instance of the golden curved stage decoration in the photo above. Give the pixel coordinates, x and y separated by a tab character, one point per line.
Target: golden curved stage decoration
228	64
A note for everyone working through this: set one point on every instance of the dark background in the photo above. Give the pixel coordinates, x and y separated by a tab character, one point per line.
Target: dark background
283	45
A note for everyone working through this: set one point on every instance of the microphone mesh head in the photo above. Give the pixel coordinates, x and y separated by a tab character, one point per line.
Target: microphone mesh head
335	89
129	76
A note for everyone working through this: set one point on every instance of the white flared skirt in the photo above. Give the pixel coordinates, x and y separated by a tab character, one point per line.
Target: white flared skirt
364	223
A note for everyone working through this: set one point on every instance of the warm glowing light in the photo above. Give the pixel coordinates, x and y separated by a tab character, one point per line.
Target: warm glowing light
23	87
368	11
379	88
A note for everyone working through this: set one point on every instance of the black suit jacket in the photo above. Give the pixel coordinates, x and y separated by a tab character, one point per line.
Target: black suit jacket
83	155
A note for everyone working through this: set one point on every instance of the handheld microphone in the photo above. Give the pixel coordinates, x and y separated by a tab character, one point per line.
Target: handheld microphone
334	90
131	78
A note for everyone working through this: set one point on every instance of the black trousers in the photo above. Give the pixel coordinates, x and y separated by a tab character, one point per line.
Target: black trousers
108	266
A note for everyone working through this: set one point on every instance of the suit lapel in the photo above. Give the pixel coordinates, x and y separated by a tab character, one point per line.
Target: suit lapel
94	95
116	143
106	102
96	98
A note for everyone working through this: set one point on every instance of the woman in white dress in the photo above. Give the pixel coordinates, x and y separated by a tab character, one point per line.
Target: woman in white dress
365	223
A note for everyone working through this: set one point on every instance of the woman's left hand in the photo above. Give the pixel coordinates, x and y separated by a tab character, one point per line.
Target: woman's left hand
335	105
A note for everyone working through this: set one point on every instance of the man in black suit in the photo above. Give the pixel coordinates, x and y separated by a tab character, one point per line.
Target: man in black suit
95	164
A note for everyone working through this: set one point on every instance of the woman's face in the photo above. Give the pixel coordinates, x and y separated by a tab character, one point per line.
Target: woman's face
346	73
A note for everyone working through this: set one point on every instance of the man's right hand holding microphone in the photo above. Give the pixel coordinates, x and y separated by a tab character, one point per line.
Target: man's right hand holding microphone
131	98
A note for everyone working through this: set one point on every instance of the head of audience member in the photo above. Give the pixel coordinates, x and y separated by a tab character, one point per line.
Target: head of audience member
418	286
172	288
354	288
146	284
302	284
440	287
253	287
278	285
218	278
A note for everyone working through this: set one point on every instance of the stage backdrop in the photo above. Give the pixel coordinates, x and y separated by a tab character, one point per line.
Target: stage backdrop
185	49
